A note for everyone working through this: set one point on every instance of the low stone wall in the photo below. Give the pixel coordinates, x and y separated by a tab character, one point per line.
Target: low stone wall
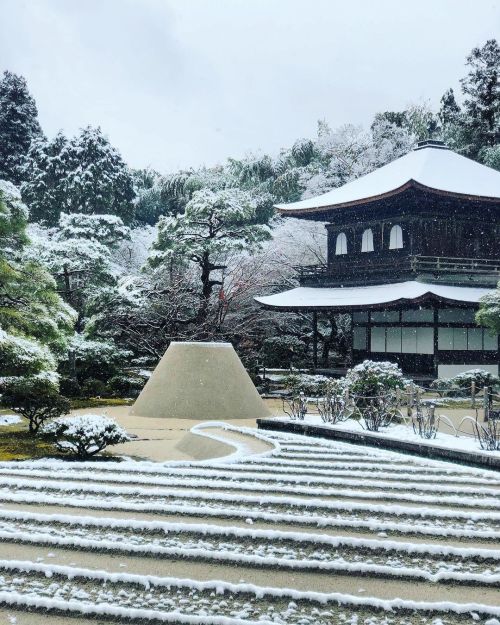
376	440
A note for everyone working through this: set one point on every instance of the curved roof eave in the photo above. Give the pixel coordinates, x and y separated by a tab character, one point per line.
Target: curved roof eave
411	184
359	298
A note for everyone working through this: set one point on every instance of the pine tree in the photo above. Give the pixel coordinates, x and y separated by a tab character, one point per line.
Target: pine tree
213	226
18	126
481	88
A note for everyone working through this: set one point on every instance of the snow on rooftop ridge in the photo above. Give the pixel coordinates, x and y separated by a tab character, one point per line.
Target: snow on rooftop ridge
432	165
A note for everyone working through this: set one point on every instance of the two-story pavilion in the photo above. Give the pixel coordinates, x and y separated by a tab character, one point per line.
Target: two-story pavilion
412	247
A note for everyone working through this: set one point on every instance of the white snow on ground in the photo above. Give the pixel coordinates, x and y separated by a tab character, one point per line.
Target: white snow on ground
404	433
9	419
422	522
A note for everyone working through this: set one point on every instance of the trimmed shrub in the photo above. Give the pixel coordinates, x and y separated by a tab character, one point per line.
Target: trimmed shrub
94	388
372	379
372	386
310	385
69	387
125	386
479	376
85	435
36	399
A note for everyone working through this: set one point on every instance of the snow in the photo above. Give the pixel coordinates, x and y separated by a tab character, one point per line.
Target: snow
431	167
9	419
350	297
219	587
404	432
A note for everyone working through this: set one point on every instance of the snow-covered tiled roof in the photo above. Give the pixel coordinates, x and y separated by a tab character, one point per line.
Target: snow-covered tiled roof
430	166
358	296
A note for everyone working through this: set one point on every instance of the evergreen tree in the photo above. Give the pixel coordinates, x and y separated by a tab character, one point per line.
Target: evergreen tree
98	181
150	202
489	311
85	175
34	322
214	225
46	170
18	126
449	113
481	88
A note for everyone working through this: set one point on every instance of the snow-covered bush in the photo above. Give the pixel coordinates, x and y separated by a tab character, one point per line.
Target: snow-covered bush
334	405
310	385
373	387
480	377
35	398
444	387
295	407
84	435
371	379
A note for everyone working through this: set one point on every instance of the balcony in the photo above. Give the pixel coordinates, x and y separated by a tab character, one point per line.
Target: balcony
369	270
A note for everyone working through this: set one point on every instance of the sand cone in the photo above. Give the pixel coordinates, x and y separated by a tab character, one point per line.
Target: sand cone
204	381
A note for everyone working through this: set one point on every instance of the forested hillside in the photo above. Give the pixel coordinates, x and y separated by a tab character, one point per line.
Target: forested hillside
101	266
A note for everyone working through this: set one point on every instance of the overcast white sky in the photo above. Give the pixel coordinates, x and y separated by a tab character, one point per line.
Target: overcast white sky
175	83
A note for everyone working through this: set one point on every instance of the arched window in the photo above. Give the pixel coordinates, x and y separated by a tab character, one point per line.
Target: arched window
341	244
367	241
396	238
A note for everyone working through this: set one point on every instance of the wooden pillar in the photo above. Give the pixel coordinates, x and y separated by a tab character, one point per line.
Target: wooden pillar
315	339
436	341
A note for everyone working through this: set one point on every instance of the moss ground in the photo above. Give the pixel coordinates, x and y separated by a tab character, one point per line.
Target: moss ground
98	402
17	444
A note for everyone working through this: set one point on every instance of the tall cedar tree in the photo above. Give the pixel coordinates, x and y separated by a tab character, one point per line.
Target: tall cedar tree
85	175
18	126
481	88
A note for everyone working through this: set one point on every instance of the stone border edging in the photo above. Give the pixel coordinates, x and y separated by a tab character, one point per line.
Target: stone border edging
374	440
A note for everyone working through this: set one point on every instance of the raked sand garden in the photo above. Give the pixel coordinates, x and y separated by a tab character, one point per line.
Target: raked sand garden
242	526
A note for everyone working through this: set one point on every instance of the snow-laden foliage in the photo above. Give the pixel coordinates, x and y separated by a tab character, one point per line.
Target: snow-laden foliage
83	175
85	435
371	378
100	358
213	226
21	356
34	322
480	377
106	229
310	385
489	311
18	126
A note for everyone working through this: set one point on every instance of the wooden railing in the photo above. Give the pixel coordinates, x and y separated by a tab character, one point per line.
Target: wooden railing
413	264
455	265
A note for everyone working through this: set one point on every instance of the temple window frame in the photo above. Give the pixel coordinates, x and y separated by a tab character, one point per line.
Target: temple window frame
396	239
341	244
367	241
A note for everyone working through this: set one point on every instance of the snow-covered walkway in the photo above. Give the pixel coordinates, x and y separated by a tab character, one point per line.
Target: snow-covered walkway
284	530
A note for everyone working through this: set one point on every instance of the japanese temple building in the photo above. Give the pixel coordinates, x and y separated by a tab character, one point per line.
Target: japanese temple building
412	247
